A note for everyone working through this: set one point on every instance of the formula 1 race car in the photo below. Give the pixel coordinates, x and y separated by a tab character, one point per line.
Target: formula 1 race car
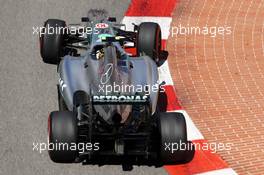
108	98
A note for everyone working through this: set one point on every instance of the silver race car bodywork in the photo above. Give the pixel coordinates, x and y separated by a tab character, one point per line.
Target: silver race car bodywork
108	98
115	69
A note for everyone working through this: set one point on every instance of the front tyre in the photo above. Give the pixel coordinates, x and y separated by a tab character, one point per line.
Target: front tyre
62	134
149	40
51	42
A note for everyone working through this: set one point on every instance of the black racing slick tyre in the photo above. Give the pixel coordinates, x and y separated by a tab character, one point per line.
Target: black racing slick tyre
174	147
149	40
51	41
62	135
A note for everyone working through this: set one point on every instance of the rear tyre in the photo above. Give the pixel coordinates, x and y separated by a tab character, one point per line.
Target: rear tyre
51	45
62	130
149	40
174	147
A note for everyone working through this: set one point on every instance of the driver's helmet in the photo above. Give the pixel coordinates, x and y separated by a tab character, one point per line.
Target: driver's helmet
99	54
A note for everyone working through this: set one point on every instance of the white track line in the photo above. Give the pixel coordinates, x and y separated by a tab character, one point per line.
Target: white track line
226	171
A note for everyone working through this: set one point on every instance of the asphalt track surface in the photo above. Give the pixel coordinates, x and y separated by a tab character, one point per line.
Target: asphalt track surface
28	86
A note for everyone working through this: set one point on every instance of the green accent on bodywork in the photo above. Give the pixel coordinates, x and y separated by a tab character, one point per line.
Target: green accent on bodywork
104	36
